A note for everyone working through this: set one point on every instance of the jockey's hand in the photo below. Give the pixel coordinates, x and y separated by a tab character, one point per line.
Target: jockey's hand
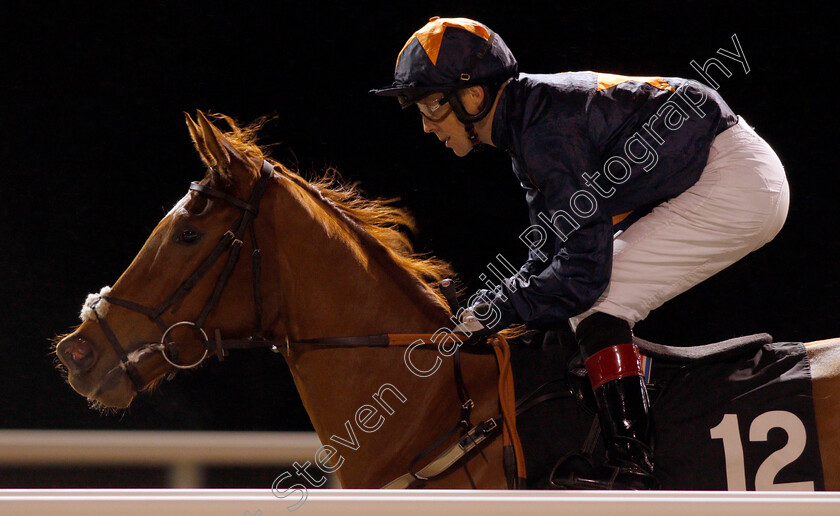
471	325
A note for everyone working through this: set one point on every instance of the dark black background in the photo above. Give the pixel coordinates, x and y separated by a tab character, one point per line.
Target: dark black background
93	151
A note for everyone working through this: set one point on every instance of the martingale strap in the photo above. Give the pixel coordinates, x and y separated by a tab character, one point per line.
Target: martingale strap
514	456
464	422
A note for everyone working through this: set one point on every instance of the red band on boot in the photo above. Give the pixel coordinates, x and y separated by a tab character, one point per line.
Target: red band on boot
613	363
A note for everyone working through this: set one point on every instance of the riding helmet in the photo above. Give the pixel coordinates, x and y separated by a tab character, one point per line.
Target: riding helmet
448	54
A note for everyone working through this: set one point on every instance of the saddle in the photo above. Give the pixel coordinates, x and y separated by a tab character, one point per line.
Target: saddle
706	353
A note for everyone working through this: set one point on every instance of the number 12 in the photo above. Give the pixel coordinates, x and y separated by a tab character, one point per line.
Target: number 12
733	450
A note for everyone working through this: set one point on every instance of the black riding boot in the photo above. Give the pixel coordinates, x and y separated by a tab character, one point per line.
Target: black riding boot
613	364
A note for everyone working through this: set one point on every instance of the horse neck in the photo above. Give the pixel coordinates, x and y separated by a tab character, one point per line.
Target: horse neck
329	284
321	287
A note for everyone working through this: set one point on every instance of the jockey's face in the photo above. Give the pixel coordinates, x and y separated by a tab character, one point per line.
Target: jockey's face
445	124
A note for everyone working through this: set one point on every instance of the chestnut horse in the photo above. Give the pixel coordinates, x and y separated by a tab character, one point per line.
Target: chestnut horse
335	265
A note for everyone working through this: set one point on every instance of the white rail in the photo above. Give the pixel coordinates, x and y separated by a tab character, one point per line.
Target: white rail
186	454
235	502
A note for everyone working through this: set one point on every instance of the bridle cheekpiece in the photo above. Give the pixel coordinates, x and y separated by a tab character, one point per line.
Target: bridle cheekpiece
231	241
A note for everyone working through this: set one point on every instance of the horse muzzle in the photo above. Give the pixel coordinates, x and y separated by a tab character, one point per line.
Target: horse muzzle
100	378
77	354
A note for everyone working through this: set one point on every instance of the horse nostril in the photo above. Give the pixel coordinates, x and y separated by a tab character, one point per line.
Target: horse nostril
77	354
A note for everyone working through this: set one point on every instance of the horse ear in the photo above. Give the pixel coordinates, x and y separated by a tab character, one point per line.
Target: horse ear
215	142
198	140
216	151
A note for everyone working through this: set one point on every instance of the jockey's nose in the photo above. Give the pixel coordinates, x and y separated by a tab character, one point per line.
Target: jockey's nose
428	125
76	353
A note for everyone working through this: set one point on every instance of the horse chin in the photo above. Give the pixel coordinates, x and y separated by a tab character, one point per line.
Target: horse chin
116	390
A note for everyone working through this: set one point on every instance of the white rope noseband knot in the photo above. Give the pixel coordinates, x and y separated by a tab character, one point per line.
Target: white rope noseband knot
95	302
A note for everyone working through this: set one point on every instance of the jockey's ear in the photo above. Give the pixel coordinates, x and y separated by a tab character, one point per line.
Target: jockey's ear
472	98
226	164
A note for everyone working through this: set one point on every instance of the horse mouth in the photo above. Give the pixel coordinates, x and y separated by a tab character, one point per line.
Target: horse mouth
114	389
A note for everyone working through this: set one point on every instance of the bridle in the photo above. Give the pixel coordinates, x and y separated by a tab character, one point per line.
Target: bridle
231	241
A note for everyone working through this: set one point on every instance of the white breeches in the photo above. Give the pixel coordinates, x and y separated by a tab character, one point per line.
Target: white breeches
739	204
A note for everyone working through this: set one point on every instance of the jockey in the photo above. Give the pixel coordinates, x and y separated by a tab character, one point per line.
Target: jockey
638	189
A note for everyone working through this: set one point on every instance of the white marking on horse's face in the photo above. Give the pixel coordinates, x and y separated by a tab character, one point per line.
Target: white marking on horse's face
95	302
179	204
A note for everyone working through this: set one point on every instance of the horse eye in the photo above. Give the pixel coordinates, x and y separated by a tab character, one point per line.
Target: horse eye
188	236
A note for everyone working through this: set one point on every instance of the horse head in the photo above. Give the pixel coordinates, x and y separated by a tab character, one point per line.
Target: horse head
118	349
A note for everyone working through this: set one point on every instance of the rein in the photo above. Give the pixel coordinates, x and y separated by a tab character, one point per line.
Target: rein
232	241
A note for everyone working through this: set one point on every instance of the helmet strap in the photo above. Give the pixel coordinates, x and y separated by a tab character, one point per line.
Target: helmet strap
472	134
490	92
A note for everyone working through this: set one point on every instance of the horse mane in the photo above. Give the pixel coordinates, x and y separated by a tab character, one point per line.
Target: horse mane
376	224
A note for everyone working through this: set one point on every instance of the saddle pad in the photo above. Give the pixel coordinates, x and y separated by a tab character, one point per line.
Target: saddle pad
742	423
745	423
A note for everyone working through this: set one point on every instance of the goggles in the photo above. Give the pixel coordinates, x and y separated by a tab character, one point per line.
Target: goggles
435	110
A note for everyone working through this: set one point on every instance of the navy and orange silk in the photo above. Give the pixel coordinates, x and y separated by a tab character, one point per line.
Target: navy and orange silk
654	133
